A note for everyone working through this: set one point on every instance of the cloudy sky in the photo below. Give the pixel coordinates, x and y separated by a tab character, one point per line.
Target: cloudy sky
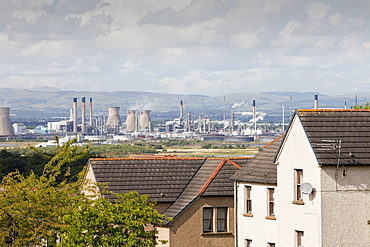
210	47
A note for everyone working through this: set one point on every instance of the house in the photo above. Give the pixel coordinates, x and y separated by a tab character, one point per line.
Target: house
255	190
322	195
196	193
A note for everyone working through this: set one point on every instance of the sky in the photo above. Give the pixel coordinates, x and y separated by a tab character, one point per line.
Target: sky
208	47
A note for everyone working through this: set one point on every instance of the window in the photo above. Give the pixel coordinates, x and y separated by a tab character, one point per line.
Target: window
248	243
220	222
299	238
271	202
207	219
221	219
270	244
298	177
248	201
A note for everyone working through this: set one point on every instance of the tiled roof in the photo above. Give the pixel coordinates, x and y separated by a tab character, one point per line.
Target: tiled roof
162	179
169	179
212	179
261	169
338	135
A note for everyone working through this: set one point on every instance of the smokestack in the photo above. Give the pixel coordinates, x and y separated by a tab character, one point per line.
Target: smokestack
255	116
181	111
91	116
316	102
188	122
113	117
254	109
131	120
6	128
75	115
83	130
144	120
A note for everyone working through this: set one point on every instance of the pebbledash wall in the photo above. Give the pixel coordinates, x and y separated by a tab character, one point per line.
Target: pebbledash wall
296	153
345	206
254	226
187	229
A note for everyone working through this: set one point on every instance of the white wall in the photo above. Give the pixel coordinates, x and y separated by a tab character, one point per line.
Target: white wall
297	154
257	228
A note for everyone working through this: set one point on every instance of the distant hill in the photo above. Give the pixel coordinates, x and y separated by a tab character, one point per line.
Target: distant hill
47	102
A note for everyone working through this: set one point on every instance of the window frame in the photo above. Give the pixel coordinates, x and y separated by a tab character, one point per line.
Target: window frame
248	242
208	220
215	220
299	238
298	180
247	201
271	204
224	219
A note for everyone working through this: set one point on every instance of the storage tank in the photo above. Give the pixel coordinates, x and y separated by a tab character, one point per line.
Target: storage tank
113	117
144	120
5	126
131	120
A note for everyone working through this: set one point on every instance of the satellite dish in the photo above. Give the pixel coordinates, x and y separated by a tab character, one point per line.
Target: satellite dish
306	188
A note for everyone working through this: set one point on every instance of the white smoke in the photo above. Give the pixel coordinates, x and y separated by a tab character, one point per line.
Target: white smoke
236	105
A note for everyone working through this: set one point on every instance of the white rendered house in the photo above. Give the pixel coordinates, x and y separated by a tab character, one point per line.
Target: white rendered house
322	191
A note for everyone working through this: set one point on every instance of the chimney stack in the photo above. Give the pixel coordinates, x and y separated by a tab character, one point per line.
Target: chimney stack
91	116
316	102
181	111
75	115
83	130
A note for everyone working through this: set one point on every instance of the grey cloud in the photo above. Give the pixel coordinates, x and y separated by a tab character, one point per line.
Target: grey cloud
196	11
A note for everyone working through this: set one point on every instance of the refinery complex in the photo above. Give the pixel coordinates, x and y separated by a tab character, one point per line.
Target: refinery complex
137	123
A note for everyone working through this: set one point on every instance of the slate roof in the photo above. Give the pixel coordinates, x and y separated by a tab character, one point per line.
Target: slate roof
212	179
176	180
338	135
163	179
261	169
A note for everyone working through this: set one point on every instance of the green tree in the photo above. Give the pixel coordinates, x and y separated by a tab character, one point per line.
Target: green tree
366	106
127	222
35	210
31	206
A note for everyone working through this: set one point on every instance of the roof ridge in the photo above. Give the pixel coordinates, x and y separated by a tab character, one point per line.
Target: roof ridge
271	142
213	175
151	158
333	110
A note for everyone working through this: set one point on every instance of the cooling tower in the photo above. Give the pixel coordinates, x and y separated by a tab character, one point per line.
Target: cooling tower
144	120
113	117
6	128
131	120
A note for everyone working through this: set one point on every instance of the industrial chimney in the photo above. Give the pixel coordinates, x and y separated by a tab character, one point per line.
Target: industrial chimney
75	115
113	117
255	116
83	129
6	128
316	102
91	114
131	120
181	111
144	120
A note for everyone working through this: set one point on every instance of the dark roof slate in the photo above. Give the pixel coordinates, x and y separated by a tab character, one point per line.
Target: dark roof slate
338	135
180	181
212	179
162	179
261	169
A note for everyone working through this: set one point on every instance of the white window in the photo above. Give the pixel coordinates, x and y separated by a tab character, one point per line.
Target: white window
298	177
299	238
215	219
271	202
248	200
